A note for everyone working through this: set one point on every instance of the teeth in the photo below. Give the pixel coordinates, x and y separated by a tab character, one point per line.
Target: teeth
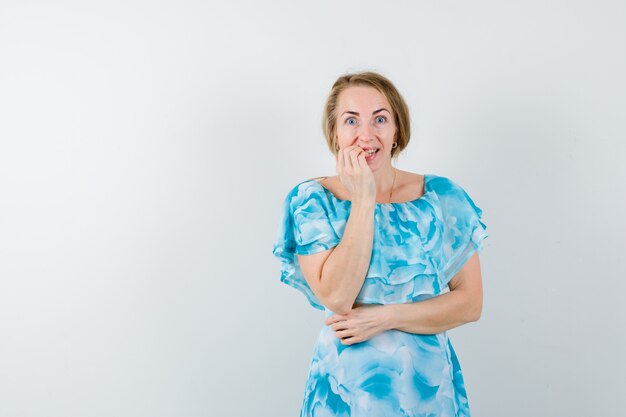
371	152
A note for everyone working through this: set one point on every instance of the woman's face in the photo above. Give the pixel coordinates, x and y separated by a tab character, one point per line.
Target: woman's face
364	119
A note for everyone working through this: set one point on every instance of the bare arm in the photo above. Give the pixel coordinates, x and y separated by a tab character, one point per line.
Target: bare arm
336	275
461	305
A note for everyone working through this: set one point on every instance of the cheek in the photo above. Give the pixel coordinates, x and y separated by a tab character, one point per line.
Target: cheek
345	132
344	128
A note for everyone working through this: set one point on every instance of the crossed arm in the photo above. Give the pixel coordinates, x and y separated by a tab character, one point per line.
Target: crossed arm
337	274
462	304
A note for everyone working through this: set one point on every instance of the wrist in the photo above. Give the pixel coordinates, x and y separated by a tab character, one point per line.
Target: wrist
390	314
365	206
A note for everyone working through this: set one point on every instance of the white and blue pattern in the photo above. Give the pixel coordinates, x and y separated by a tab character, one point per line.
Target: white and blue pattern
418	247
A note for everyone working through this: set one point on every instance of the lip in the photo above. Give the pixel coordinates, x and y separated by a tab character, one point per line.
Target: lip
371	157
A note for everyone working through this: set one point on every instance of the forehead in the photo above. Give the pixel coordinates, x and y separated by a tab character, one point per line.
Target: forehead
361	97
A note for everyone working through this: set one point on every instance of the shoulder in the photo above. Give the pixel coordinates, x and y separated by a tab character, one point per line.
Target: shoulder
305	188
452	196
305	194
443	185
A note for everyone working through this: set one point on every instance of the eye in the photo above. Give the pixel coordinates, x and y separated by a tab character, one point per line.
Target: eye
381	119
349	119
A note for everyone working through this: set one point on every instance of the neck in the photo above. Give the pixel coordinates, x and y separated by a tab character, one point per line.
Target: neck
385	181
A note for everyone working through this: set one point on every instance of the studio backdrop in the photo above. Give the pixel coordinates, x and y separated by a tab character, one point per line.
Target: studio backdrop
146	149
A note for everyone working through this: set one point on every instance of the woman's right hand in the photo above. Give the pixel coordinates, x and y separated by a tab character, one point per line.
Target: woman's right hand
355	174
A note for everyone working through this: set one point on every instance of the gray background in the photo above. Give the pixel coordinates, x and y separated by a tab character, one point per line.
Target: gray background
146	148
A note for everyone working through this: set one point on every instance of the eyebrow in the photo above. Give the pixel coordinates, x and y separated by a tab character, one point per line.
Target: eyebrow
374	112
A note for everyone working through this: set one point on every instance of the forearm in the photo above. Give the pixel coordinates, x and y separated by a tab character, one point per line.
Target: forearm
345	269
435	315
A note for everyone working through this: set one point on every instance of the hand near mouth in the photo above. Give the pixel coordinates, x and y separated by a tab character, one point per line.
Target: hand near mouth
355	174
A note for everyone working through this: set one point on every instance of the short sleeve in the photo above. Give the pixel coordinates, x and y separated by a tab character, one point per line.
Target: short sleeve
463	229
304	228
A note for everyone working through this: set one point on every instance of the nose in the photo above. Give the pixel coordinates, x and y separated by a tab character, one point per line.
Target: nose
365	132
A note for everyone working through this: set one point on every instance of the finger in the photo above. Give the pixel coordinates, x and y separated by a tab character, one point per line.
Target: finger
362	163
346	159
334	318
340	162
349	341
340	165
354	157
340	325
344	333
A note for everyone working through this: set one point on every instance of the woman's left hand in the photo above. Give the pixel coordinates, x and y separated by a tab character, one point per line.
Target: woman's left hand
360	324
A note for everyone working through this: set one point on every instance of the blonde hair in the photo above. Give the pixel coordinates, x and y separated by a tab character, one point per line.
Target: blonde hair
399	108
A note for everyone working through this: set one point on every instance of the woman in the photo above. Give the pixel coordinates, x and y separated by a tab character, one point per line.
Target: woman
375	247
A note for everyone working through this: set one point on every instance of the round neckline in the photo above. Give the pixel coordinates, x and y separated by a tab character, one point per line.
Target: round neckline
426	190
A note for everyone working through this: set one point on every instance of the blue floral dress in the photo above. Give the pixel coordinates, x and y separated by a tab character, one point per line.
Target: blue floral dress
418	247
